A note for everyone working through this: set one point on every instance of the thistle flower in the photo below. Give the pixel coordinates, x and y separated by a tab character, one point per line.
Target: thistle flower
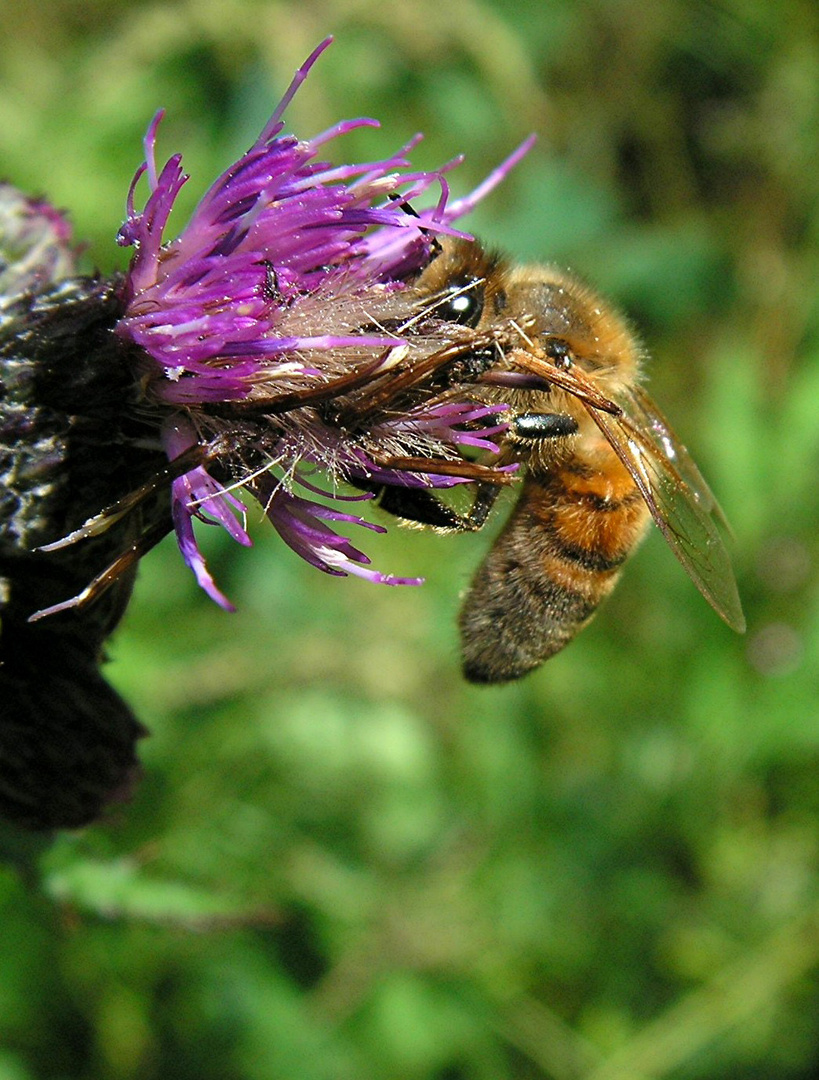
288	280
277	337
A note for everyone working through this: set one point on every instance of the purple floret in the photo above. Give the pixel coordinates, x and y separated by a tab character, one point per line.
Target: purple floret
282	281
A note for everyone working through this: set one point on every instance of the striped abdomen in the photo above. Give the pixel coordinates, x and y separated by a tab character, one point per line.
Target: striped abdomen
558	556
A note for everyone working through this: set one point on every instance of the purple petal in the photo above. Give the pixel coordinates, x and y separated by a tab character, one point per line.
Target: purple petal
299	523
275	282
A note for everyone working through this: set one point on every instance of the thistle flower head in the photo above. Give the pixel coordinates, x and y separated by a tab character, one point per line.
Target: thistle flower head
269	323
278	346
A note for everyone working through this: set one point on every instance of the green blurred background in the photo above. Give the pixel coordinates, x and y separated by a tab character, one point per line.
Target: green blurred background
343	862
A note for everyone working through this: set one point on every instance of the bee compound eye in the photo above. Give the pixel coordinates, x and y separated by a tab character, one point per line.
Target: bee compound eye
462	303
535	426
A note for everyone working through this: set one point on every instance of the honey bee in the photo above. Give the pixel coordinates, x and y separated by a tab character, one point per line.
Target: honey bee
600	462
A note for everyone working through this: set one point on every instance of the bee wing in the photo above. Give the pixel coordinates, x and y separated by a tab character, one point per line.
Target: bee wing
678	497
680	501
645	415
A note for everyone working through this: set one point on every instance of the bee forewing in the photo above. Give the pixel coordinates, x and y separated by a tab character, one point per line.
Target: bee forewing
680	501
647	418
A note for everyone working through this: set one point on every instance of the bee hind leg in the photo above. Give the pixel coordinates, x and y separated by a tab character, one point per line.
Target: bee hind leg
421	506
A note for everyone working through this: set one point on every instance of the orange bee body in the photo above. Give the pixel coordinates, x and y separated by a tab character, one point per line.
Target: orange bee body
600	462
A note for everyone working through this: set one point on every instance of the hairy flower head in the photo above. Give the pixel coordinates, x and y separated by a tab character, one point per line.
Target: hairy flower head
274	336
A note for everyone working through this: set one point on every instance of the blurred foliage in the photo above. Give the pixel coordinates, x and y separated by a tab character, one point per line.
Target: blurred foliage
344	863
